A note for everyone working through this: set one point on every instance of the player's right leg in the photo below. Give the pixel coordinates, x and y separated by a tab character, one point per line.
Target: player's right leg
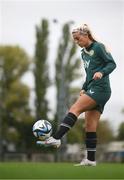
83	104
50	142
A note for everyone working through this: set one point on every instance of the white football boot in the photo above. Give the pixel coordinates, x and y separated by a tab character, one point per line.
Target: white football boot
50	142
86	162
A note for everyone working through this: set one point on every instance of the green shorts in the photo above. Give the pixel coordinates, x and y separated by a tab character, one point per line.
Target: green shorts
99	96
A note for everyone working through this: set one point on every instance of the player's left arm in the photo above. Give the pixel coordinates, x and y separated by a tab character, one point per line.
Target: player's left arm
106	56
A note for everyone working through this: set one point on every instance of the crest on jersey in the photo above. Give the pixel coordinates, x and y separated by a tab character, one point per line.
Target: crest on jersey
90	53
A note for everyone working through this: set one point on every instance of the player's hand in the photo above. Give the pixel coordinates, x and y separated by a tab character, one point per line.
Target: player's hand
82	92
97	75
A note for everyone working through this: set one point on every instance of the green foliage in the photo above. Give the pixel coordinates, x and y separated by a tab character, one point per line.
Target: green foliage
41	69
14	95
120	135
15	62
76	134
104	132
13	99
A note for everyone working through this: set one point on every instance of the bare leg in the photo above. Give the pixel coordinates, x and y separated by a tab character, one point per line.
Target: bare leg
83	103
91	120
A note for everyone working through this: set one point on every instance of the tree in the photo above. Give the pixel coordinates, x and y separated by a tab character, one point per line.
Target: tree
67	71
42	81
14	95
120	135
104	131
77	133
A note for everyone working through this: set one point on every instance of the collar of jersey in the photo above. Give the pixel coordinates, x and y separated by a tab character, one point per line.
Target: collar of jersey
86	50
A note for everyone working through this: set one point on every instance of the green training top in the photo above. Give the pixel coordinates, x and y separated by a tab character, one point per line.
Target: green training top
97	59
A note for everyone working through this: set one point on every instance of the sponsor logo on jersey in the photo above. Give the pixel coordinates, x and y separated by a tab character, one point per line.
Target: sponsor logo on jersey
86	64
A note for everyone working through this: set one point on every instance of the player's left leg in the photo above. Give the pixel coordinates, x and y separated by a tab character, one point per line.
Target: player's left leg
91	123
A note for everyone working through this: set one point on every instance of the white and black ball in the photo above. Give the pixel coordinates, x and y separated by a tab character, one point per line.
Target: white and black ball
42	129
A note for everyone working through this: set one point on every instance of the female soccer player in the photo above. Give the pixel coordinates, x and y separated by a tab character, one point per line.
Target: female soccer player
96	91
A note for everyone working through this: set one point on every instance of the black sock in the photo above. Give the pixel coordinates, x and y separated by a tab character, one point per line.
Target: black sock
91	141
67	124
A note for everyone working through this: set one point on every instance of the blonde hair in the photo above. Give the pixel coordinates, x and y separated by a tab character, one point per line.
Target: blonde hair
84	30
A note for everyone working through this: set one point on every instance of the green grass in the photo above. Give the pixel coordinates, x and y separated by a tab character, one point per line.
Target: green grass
60	171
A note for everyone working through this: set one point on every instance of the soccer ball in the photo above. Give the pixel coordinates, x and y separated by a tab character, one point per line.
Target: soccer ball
42	129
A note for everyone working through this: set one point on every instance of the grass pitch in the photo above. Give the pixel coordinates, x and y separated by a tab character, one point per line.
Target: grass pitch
60	171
